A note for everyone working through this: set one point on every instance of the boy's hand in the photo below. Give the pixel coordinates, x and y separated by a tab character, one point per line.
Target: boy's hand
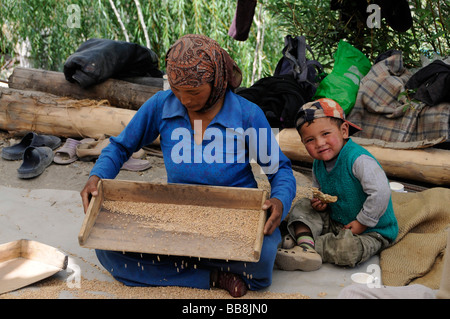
318	205
276	211
356	227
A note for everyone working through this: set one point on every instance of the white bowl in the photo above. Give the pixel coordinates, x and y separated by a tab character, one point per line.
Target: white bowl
362	278
397	187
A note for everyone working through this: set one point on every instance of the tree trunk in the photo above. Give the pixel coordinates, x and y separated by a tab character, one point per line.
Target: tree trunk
45	113
119	93
429	165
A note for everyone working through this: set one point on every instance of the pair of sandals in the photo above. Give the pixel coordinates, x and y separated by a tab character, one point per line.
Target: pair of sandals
35	150
89	149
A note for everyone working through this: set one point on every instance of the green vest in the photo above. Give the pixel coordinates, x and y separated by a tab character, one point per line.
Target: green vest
341	182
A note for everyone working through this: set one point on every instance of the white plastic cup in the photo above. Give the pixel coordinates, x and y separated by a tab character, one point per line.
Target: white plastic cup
397	187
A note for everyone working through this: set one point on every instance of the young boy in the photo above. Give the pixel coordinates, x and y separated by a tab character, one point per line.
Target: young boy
361	222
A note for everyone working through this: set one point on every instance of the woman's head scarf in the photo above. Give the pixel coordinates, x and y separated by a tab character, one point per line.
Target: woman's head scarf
194	60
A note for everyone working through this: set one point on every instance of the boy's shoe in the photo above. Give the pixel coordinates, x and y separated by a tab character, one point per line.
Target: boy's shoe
288	242
298	258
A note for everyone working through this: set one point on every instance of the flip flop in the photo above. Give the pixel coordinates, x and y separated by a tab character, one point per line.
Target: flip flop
68	153
16	151
35	160
136	165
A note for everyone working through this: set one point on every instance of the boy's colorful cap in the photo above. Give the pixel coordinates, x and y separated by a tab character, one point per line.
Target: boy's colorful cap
322	108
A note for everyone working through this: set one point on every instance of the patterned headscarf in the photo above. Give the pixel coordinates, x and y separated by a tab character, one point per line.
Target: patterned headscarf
194	60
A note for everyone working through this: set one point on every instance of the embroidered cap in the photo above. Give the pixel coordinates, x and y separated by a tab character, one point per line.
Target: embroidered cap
322	108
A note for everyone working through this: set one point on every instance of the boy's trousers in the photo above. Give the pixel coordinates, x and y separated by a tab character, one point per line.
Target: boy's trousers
332	242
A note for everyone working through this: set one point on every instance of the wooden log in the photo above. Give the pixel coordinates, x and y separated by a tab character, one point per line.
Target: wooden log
122	94
46	113
430	165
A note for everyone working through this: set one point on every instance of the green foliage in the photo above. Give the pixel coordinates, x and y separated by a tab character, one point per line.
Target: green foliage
47	25
323	29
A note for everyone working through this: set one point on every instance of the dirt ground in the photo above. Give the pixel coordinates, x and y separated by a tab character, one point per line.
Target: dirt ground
74	176
67	177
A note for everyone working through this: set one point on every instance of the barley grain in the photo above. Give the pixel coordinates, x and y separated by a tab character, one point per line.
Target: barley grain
51	288
181	220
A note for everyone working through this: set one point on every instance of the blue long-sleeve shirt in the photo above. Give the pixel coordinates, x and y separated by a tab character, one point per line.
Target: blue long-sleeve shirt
238	135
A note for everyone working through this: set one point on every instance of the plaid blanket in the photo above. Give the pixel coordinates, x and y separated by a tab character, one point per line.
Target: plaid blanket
390	118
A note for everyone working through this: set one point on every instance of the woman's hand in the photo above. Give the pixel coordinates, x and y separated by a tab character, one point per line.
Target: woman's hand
89	190
275	206
356	227
318	205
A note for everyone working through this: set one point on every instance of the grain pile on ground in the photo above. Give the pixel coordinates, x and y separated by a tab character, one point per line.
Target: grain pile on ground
302	191
54	288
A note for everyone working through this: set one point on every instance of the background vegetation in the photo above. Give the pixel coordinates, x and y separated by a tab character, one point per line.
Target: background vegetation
43	33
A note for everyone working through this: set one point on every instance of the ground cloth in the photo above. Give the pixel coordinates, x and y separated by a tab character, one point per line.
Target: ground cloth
416	255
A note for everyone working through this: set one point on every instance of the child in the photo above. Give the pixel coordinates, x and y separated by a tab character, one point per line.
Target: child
361	222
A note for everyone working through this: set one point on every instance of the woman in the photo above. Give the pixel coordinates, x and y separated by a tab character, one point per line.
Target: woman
201	104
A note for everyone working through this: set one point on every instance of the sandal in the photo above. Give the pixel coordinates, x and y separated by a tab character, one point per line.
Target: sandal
68	153
298	258
15	152
288	242
136	165
35	160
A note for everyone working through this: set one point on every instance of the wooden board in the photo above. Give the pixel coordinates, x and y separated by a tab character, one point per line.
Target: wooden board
23	262
121	231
